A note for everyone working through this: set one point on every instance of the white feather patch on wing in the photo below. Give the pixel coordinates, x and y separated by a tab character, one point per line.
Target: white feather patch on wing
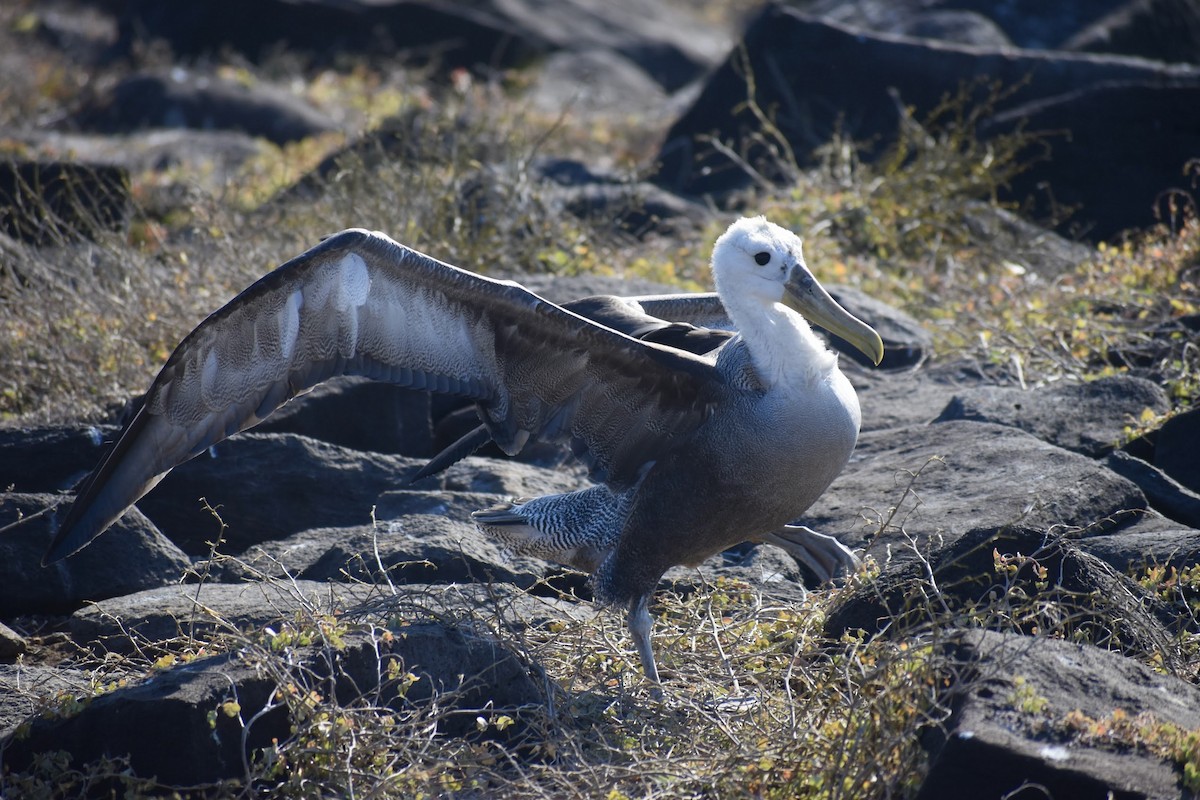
289	324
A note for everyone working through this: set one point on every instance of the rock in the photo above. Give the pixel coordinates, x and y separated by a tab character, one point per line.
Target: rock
84	31
1109	122
968	476
210	158
268	486
47	201
667	42
411	549
12	644
51	459
149	619
1164	495
1020	718
1031	247
1176	444
819	78
24	688
132	556
183	99
1148	540
767	569
595	83
459	670
1100	410
908	398
360	414
1019	578
1164	30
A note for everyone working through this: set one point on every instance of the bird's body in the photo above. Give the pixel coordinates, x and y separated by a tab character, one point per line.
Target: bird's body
694	451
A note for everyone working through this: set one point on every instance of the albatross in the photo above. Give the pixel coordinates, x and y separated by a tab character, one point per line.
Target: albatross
692	449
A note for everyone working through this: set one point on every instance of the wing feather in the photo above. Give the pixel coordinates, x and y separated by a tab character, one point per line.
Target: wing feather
361	304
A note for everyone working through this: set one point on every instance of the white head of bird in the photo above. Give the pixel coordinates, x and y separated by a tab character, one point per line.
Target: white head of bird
771	297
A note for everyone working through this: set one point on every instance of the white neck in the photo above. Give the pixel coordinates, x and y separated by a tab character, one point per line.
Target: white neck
781	342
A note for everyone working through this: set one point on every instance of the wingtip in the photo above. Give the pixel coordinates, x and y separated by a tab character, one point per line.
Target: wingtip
63	546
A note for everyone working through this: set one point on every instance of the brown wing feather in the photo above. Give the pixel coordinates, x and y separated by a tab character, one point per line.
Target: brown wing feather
362	304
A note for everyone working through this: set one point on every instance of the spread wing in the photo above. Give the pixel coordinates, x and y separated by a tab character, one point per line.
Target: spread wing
703	310
627	315
362	304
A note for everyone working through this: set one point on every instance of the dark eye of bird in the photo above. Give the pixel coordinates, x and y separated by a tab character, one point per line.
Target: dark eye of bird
762	259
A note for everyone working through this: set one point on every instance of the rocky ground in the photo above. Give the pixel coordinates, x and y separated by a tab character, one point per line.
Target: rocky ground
1012	527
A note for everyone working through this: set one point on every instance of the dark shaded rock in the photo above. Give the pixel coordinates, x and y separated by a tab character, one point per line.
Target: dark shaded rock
1089	418
818	78
185	99
1147	541
934	483
1164	495
1109	123
359	414
1018	578
1164	30
12	644
51	459
45	201
667	43
450	34
132	556
1176	448
464	670
995	743
268	486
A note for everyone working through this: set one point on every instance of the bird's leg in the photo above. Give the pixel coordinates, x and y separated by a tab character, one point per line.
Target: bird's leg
824	555
640	625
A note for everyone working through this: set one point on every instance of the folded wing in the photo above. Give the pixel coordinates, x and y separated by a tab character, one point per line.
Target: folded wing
361	304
